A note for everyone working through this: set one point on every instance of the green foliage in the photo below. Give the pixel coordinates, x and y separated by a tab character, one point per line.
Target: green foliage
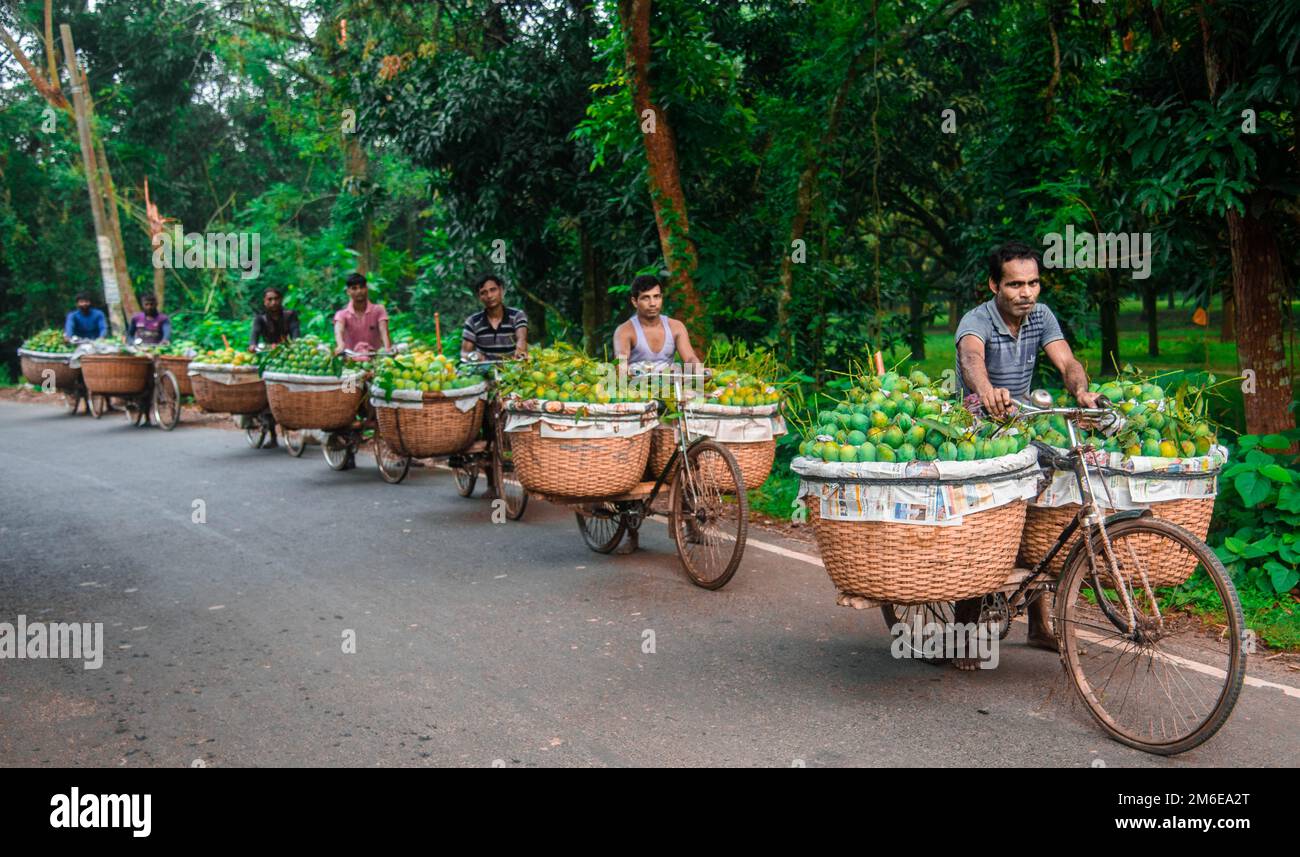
1257	515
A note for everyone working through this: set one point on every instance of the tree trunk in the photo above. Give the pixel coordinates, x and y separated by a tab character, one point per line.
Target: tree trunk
1259	288
1151	309
954	315
666	195
130	305
357	166
1228	328
593	302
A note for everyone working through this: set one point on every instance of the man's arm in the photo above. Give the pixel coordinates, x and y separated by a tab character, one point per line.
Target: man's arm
338	335
683	340
254	331
970	355
1072	372
130	328
521	341
291	325
383	334
623	339
167	330
68	331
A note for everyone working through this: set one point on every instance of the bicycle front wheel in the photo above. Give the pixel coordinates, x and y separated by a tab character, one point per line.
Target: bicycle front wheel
1155	675
709	514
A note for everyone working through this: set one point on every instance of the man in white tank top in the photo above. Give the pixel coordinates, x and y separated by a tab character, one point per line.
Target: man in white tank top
648	336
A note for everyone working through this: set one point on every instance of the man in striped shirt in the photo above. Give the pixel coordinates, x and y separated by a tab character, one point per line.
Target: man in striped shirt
997	348
497	331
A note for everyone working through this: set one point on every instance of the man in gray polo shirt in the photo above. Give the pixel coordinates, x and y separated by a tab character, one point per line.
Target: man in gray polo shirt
997	348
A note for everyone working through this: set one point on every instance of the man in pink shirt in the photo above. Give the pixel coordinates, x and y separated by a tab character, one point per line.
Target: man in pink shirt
360	326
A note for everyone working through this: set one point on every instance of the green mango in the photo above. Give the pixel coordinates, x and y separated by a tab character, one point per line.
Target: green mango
856	438
894	436
934	438
830	451
816	449
916	435
926	452
1151	447
879	418
886	453
908	406
966	451
947	451
867	452
907	452
904	422
859	422
848	452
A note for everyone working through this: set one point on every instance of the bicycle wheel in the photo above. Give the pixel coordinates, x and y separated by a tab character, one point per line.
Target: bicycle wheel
942	613
466	477
294	442
709	514
393	466
602	526
335	449
508	486
255	432
166	401
1165	680
71	402
97	405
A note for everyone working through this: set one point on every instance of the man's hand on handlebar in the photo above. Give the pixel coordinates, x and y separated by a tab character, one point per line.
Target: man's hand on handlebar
1091	400
997	402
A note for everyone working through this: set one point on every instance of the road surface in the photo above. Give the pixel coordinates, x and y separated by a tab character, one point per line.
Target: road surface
477	643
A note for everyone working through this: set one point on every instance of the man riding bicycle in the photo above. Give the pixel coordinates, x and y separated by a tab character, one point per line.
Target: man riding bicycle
997	349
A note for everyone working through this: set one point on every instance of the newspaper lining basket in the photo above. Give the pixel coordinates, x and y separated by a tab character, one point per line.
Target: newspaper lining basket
324	403
116	374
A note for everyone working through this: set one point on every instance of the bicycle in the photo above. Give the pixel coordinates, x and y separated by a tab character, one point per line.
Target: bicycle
1139	669
708	527
158	403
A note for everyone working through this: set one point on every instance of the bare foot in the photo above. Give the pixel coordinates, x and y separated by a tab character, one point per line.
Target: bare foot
1040	634
966	664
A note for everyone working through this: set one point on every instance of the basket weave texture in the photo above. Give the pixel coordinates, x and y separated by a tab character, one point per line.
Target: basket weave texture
1163	563
915	564
116	374
578	467
438	428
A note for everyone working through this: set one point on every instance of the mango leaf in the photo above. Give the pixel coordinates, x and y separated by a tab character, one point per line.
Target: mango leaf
1277	473
1252	488
944	429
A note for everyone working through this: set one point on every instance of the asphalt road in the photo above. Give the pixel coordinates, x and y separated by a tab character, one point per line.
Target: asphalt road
476	643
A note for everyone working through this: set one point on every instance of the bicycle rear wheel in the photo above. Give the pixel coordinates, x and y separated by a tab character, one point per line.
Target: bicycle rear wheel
294	442
1167	679
466	476
602	526
335	449
167	401
508	486
709	515
393	467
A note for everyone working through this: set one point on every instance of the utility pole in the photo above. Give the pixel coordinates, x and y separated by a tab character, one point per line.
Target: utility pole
107	269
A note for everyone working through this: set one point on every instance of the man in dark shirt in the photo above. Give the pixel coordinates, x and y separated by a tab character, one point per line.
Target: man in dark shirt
497	331
85	322
274	324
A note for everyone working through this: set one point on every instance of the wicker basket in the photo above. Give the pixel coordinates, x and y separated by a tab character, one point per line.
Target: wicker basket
755	459
65	376
578	467
915	564
215	395
178	366
1043	524
324	409
437	428
116	374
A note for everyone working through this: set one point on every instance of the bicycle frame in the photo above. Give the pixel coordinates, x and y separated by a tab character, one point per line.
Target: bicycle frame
1087	518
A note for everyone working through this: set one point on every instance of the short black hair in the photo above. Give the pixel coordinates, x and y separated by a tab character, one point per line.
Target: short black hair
1007	252
644	283
84	296
483	279
148	296
356	279
278	292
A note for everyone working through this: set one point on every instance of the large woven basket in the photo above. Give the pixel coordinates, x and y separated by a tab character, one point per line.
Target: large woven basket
437	428
116	374
34	369
1163	565
754	458
915	564
324	409
178	366
578	467
215	395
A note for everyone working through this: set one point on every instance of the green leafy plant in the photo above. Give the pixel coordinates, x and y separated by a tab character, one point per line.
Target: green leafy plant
1257	535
